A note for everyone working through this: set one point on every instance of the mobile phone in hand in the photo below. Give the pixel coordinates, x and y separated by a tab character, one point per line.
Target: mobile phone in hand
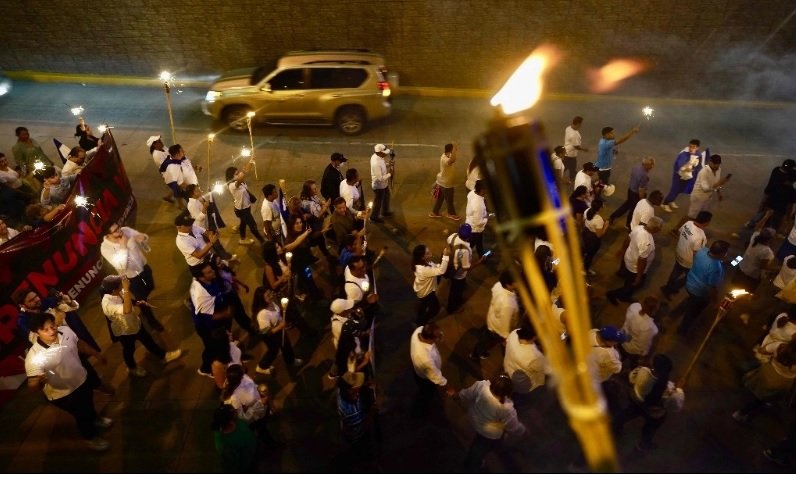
487	253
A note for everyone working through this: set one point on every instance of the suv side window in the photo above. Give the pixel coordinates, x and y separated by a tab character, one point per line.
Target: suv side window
292	79
336	78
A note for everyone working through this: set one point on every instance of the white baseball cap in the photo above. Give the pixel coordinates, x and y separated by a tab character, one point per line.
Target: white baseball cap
151	140
380	148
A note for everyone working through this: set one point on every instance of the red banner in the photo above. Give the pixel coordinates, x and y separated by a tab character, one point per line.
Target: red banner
65	254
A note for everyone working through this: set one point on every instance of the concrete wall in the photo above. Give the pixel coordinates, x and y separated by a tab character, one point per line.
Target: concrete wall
446	43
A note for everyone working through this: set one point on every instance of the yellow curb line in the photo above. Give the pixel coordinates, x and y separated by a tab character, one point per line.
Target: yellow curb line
424	91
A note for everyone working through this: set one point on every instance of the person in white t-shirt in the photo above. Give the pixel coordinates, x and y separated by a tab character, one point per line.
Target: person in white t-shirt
640	328
462	257
572	145
638	257
501	318
6	233
557	158
425	284
524	362
594	228
242	201
271	325
645	208
380	182
584	178
786	273
159	154
476	215
269	211
350	190
691	238
756	259
445	181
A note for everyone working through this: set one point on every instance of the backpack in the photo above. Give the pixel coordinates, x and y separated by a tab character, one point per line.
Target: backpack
451	270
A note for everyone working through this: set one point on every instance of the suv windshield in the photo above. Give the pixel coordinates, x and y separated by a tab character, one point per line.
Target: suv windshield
260	74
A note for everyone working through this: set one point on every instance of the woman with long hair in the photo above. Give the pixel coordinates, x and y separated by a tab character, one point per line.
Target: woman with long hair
298	243
86	138
276	273
425	285
594	228
579	202
242	200
652	396
272	330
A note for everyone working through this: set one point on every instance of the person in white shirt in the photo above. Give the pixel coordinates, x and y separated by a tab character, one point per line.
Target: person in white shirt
557	158
269	211
708	182
605	357
118	305
572	145
645	209
380	181
191	241
584	178
159	154
198	203
462	260
477	216
594	228
473	174
241	392
640	327
425	284
242	200
341	312
652	396
787	273
350	191
757	258
782	331
524	362
6	233
690	239
445	181
492	414
501	318
178	173
271	324
53	363
637	259
77	160
427	365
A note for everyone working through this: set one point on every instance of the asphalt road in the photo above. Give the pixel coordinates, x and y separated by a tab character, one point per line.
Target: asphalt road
162	420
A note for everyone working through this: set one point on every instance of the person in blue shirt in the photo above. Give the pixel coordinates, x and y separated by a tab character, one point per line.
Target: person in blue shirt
606	151
702	283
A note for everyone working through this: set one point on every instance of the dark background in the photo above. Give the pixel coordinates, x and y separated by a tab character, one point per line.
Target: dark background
697	48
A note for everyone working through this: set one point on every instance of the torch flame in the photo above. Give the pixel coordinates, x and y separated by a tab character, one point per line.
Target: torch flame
735	293
245	152
609	76
365	286
76	110
166	76
523	89
284	302
250	114
38	165
211	137
218	188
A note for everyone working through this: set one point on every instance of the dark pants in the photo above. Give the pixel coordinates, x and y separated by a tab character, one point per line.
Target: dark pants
477	242
604	176
676	279
486	340
627	207
456	294
141	286
427	308
128	346
239	312
591	244
694	306
571	165
381	202
445	195
480	447
785	448
205	334
275	343
651	424
80	404
246	219
427	399
678	186
625	293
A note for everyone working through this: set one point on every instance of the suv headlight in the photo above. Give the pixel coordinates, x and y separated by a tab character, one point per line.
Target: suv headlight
212	96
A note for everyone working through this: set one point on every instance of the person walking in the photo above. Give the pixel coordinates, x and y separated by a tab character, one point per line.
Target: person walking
462	260
477	216
641	329
427	365
771	381
492	414
707	186
702	283
652	396
637	259
690	240
572	146
425	284
606	151
687	165
757	257
501	318
645	209
445	183
242	200
271	325
332	177
594	228
524	361
636	190
380	182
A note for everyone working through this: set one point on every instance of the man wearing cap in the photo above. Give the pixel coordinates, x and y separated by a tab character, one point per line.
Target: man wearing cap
341	311
607	361
461	260
636	189
332	177
572	144
638	257
427	365
606	151
159	154
445	181
191	240
691	239
380	181
645	209
118	306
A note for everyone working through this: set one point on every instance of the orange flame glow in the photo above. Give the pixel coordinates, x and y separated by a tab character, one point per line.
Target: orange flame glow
608	77
523	89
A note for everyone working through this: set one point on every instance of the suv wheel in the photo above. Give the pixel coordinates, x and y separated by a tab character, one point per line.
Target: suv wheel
235	117
350	120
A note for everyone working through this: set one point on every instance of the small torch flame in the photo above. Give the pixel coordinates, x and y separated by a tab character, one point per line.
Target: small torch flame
250	114
211	137
284	302
288	257
81	201
38	165
365	286
165	76
218	188
523	89
245	152
735	293
648	112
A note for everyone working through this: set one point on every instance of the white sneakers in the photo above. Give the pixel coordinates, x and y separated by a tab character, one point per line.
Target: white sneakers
98	444
103	422
265	371
666	208
246	242
674	205
172	356
137	372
